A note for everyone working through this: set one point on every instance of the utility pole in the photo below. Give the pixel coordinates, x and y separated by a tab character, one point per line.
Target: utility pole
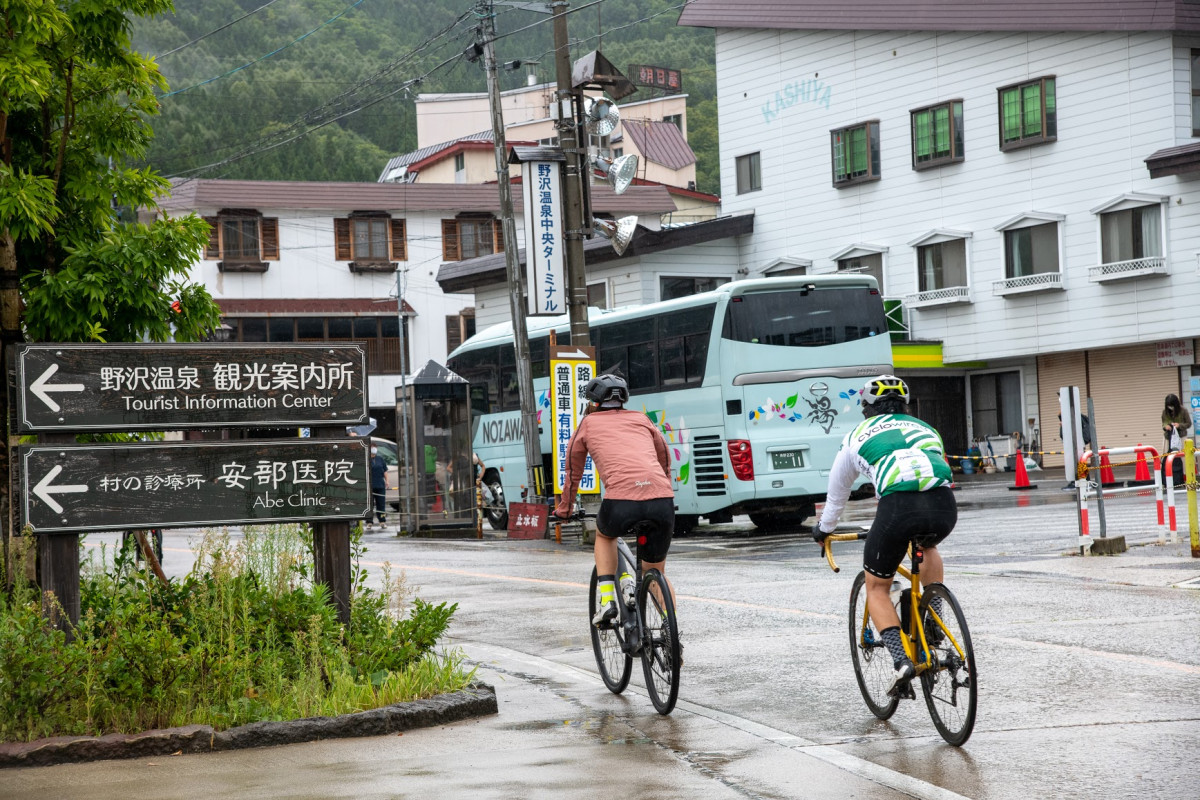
569	135
516	279
407	480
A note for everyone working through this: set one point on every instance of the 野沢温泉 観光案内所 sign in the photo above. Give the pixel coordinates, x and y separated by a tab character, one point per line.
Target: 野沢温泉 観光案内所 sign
66	387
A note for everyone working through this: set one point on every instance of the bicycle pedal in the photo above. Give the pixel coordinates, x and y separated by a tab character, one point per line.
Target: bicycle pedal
906	692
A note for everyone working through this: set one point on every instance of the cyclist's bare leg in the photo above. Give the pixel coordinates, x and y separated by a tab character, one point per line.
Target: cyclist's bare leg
661	566
605	550
883	613
931	567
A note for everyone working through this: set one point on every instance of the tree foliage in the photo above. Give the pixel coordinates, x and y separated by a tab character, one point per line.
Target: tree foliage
374	49
75	104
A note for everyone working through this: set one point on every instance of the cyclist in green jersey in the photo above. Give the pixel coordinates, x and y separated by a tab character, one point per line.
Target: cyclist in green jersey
905	459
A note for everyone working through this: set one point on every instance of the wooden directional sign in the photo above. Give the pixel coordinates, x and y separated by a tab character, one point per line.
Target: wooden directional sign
192	484
127	387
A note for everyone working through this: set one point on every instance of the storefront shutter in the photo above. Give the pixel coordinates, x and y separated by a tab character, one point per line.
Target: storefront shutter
1055	371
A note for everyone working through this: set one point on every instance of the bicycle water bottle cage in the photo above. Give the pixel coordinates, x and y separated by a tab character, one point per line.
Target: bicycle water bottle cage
905	609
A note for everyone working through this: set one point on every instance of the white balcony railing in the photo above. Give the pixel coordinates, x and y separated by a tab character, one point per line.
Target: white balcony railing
1041	282
939	297
1133	268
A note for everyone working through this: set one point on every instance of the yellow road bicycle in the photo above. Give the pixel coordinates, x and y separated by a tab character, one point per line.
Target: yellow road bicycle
935	636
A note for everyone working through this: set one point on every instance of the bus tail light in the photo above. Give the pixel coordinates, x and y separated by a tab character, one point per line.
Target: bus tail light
741	458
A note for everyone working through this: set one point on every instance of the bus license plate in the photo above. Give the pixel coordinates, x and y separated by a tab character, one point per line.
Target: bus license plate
787	459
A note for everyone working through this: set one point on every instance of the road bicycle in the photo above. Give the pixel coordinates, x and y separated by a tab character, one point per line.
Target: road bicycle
647	629
936	639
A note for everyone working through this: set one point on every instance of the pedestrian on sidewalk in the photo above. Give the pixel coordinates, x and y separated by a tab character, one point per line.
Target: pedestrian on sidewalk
1175	424
378	486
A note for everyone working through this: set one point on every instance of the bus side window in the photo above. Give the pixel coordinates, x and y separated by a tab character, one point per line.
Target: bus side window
510	397
539	357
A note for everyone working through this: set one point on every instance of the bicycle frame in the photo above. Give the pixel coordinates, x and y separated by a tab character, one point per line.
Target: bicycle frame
915	635
630	629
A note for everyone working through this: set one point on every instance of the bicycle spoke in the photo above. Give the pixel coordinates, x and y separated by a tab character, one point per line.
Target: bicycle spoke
661	653
615	666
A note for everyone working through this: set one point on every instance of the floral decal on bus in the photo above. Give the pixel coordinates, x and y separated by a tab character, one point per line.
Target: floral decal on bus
543	403
772	410
677	442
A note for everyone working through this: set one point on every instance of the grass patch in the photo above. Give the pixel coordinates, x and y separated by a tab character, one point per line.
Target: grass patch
245	636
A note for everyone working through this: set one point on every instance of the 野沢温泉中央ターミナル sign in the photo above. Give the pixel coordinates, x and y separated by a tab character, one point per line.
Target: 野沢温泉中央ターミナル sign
123	387
192	484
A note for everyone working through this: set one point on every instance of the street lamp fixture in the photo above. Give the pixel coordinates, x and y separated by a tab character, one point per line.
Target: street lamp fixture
619	172
620	232
600	116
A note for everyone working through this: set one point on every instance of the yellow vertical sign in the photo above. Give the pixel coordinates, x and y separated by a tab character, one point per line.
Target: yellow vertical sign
571	369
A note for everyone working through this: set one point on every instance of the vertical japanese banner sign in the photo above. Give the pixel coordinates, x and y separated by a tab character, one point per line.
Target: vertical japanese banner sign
571	369
544	242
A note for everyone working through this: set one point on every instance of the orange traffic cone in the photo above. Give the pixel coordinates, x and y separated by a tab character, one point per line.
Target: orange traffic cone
1141	472
1022	480
1106	471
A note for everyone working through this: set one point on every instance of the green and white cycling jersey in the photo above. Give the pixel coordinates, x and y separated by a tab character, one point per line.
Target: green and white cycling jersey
898	452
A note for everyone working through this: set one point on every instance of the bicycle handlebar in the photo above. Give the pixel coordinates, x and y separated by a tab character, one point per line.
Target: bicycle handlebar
838	537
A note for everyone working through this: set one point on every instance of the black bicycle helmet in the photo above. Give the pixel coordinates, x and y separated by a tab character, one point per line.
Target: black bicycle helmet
607	387
884	386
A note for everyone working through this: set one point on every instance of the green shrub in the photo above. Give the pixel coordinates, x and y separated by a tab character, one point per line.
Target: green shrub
245	636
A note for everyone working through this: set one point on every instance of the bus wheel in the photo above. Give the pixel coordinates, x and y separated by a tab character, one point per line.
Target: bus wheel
686	523
785	521
495	508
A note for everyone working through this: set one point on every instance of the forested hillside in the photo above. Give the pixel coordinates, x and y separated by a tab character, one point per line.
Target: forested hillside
323	89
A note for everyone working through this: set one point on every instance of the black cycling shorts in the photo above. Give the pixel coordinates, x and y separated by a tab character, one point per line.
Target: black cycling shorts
927	517
617	517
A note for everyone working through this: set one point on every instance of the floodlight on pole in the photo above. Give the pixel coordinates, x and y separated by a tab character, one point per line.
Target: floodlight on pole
620	232
619	172
600	115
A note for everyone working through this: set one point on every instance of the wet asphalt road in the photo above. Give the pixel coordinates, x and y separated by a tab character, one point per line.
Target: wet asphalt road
1088	667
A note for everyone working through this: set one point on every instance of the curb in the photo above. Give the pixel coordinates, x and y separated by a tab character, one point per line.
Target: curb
476	700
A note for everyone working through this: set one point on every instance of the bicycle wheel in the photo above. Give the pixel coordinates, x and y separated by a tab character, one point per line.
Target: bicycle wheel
615	666
872	662
661	653
949	684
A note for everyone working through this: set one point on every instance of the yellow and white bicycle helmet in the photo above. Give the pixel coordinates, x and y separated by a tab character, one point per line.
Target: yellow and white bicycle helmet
884	386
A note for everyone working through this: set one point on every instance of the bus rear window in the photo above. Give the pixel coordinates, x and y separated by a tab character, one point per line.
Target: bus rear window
805	318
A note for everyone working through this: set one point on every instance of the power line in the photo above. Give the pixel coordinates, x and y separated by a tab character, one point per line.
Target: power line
217	30
336	16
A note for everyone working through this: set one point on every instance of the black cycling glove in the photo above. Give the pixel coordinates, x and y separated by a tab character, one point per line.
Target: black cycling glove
819	535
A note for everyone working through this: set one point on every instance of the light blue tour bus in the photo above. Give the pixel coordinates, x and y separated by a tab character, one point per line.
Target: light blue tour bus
753	385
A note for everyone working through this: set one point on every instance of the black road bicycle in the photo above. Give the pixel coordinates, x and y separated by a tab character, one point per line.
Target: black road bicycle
647	629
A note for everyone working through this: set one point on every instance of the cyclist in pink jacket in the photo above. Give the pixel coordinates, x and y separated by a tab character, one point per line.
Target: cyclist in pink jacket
631	457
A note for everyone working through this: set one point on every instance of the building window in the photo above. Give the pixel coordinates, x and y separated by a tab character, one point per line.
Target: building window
674	119
471	236
1196	93
379	334
1028	114
242	240
866	264
996	404
937	135
460	162
618	152
942	265
749	173
371	242
1131	234
1031	250
670	288
459	328
597	295
856	153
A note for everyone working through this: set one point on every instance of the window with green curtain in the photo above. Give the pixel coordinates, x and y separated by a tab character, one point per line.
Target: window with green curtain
858	152
1011	102
921	136
1051	110
941	132
1031	107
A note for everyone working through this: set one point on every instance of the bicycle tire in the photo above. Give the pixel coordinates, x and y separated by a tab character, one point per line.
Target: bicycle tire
661	653
949	685
614	664
873	667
